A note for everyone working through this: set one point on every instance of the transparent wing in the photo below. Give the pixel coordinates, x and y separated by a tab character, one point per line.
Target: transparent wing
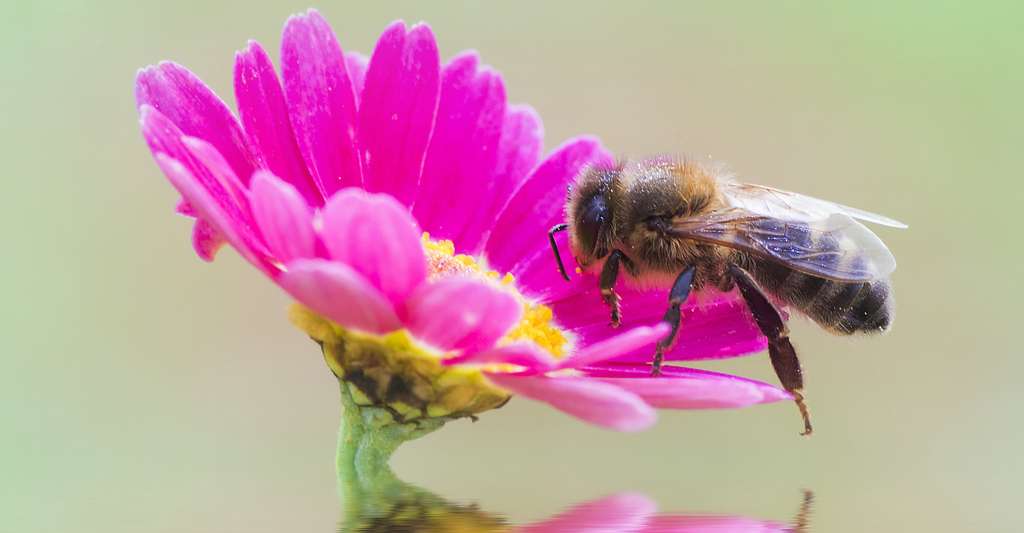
836	247
785	205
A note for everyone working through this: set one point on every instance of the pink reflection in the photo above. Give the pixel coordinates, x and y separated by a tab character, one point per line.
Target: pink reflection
632	512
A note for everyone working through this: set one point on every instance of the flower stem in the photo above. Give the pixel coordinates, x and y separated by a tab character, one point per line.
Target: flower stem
373	498
367	438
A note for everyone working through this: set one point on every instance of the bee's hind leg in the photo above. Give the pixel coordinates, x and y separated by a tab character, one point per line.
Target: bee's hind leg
781	351
609	275
680	291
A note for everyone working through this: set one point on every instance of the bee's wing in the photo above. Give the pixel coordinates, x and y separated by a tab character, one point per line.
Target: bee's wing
785	205
836	247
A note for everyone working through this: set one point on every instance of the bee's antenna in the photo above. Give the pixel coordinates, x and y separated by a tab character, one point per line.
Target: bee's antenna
554	247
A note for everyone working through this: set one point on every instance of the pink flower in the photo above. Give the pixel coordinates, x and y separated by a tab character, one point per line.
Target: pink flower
328	180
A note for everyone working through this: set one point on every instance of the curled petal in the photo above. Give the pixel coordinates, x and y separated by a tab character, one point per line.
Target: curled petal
341	294
687	388
396	112
378	238
321	101
461	314
590	400
283	217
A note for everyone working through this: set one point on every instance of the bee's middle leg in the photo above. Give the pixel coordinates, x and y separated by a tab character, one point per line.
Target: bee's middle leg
780	350
681	288
609	275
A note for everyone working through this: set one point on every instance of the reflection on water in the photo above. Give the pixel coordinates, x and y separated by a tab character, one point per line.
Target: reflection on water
395	506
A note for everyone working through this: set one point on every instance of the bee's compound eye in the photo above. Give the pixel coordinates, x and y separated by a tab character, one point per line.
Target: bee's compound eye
592	220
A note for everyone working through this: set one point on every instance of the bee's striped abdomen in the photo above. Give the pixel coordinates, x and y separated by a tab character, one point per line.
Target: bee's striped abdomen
844	308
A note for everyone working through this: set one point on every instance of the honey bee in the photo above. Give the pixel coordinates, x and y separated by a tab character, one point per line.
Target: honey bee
681	224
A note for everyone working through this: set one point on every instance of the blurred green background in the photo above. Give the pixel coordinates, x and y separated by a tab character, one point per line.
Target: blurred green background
143	390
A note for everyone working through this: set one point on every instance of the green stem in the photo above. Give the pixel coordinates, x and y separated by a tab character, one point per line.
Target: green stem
367	438
373	499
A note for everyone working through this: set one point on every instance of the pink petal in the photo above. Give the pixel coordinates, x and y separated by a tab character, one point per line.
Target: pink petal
341	294
378	238
687	388
463	150
165	140
184	209
164	137
540	276
713	325
221	223
617	346
527	355
208	156
283	217
461	314
206	240
616	513
522	139
187	102
356	64
264	114
321	101
534	208
590	400
396	113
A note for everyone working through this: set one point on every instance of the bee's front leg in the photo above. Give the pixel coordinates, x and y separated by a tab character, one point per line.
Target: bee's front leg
680	292
780	350
609	275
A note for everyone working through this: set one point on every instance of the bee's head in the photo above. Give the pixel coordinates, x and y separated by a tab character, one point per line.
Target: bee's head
590	215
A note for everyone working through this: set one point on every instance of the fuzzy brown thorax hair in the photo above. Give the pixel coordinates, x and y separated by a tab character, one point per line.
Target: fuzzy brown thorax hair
640	200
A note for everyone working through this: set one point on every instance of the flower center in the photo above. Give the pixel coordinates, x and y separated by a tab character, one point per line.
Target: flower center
395	373
537	323
408	379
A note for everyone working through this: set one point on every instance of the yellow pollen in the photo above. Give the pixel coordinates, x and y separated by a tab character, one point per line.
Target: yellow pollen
536	326
537	323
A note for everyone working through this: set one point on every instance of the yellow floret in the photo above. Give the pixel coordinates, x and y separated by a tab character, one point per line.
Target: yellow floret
536	325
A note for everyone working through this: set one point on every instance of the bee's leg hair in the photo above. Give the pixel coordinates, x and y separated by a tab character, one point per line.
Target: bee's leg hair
609	274
680	291
781	351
